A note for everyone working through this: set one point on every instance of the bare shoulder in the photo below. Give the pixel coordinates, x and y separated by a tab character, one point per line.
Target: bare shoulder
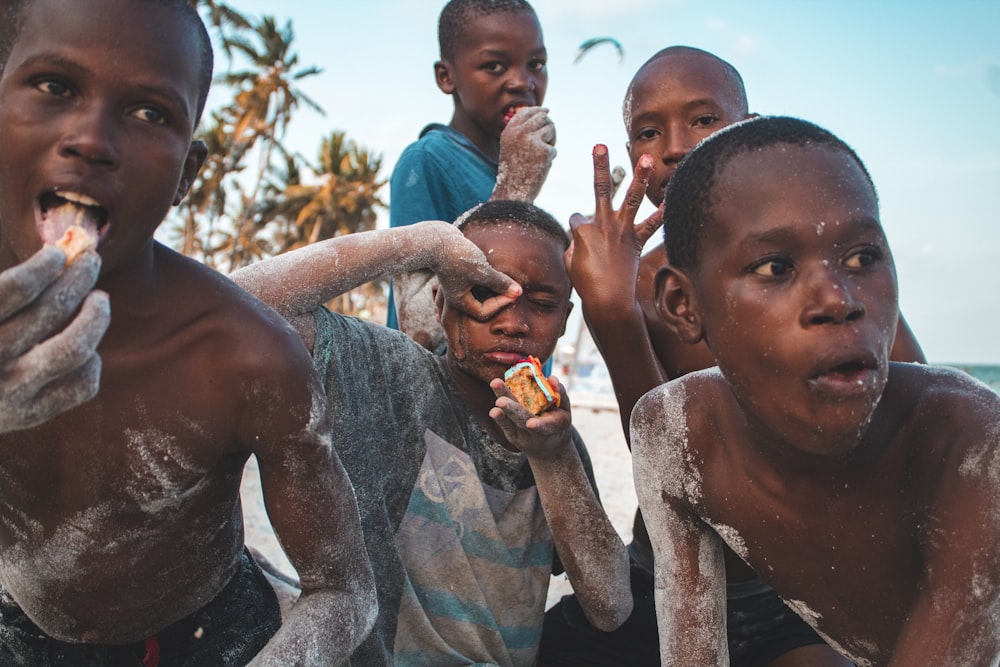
669	421
255	359
953	419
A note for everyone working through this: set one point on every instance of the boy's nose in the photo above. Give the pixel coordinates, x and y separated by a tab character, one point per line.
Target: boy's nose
510	322
90	136
521	80
832	299
677	143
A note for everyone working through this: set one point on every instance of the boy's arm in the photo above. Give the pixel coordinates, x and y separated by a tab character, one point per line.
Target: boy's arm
955	616
603	267
588	546
311	505
689	578
298	282
46	369
527	148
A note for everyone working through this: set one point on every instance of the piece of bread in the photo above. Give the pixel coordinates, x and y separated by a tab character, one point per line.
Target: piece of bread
75	241
530	387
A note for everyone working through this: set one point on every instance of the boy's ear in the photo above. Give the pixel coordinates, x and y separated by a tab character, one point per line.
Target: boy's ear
438	297
192	164
677	305
442	75
569	309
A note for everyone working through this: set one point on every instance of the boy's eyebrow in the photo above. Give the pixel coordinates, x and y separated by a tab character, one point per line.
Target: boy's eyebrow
789	232
500	53
62	62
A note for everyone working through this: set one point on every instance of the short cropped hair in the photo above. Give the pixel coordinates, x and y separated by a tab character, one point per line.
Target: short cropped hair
521	213
457	14
688	198
12	23
679	50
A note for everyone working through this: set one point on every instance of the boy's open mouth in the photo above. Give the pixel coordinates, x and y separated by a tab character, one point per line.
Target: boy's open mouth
847	378
509	112
62	210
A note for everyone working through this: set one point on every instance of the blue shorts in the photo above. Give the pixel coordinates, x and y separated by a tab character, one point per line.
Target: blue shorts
227	632
760	626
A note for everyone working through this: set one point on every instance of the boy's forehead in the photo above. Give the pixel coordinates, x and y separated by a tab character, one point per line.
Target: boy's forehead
519	24
117	30
686	75
818	180
512	246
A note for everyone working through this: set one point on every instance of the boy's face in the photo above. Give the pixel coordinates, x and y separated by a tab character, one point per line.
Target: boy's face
498	66
97	102
531	325
797	292
673	103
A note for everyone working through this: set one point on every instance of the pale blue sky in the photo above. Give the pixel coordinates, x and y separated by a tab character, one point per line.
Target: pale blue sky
912	85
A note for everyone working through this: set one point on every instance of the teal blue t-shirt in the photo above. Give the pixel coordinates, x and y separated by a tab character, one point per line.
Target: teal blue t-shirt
439	177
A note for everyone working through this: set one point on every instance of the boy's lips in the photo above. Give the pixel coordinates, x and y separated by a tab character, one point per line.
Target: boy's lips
60	209
510	110
846	375
506	357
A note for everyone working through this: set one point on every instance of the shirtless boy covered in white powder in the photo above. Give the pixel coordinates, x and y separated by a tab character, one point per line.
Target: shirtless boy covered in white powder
121	539
863	491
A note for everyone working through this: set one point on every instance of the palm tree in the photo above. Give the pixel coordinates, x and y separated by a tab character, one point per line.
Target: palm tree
265	100
341	198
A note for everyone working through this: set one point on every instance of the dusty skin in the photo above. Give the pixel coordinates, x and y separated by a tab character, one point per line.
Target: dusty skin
883	475
121	516
527	148
45	371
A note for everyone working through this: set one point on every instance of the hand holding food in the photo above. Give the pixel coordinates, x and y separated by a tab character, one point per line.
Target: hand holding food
528	384
527	148
46	365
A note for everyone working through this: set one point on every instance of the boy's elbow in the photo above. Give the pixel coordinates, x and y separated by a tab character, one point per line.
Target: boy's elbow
612	613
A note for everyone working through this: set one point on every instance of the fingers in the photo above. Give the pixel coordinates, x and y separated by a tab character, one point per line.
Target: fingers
68	392
21	284
602	181
71	348
636	191
645	229
45	313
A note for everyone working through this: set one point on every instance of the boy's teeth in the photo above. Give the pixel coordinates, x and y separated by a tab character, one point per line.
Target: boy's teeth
77	198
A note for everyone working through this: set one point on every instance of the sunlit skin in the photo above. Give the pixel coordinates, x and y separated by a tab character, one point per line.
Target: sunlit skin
479	352
499	64
810	437
794	255
122	516
673	103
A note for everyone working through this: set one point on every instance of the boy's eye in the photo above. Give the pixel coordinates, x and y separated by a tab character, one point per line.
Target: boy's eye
862	258
773	266
537	65
150	115
494	67
647	135
53	87
480	293
706	121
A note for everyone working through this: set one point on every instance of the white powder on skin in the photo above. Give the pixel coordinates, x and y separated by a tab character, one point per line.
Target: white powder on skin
664	468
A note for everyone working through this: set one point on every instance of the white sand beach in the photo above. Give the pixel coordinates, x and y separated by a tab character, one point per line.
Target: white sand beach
597	420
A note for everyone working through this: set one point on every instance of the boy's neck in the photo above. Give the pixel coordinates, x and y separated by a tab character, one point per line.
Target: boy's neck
489	145
478	397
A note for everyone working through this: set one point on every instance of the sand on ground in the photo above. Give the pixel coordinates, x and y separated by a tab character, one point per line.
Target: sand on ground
597	420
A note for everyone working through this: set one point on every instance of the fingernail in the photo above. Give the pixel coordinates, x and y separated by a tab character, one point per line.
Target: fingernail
600	149
646	160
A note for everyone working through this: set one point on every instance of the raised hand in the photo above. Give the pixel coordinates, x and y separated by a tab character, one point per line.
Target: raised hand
47	366
465	276
603	261
527	148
